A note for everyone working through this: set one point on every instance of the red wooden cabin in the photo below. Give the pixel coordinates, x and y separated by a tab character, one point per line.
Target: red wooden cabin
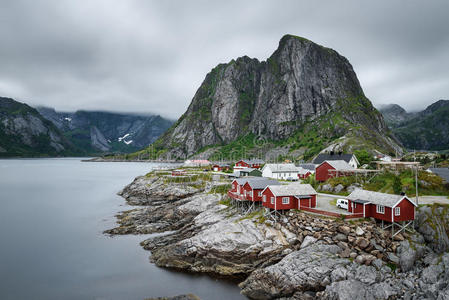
249	163
254	187
304	173
381	206
332	168
249	188
236	191
220	167
291	196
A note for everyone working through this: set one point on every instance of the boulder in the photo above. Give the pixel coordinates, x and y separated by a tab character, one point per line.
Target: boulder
433	224
344	229
308	240
362	243
392	257
338	188
359	231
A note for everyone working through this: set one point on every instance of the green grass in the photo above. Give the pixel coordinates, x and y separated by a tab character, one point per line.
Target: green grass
428	183
221	189
225	201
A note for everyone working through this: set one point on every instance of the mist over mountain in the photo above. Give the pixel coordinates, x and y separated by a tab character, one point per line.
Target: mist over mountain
100	131
424	130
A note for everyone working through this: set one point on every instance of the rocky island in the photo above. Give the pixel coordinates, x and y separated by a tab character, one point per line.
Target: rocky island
297	256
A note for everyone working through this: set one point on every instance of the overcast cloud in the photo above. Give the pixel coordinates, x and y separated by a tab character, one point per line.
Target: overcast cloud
151	56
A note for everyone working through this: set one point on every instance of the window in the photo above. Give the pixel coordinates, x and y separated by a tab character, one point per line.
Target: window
264	198
397	211
285	200
380	209
238	189
259	193
272	200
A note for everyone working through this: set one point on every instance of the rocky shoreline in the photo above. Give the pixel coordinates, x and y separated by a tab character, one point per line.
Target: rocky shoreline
301	256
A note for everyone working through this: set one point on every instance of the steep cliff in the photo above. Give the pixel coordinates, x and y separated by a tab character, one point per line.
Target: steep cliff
24	132
424	130
303	98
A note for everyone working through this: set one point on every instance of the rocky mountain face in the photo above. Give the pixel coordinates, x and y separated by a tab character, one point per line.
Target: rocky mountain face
24	132
394	114
303	90
425	130
96	131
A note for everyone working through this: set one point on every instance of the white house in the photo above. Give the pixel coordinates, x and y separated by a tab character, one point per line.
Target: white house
280	171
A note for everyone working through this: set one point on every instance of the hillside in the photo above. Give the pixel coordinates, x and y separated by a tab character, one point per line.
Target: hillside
24	132
302	99
425	130
98	131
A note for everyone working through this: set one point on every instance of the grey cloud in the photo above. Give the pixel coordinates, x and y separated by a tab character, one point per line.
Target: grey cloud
151	56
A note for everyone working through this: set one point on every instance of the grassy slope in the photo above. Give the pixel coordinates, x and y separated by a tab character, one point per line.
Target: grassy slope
428	183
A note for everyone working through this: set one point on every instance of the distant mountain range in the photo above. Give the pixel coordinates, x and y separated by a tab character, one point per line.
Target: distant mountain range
305	98
26	131
101	131
424	130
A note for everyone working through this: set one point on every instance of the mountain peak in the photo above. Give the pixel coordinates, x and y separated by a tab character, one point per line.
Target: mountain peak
301	87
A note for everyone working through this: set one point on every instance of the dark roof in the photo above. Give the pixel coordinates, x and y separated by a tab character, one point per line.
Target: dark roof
325	156
221	165
360	201
261	183
442	172
310	167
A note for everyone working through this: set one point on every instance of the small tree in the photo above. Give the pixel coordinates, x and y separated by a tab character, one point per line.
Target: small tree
397	185
363	157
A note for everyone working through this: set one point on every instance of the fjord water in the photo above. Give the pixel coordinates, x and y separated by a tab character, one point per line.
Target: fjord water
52	215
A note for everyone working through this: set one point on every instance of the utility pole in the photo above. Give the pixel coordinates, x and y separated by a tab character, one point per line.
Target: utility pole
416	184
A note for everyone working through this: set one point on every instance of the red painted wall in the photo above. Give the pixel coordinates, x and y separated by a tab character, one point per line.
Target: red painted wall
234	186
370	211
407	211
256	197
358	209
268	194
304	176
322	173
293	203
242	164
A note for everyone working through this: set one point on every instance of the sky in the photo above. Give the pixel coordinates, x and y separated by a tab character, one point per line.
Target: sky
151	56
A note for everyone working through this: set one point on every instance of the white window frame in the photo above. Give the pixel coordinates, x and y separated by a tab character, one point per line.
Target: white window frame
259	193
238	189
285	200
272	200
380	209
397	211
264	198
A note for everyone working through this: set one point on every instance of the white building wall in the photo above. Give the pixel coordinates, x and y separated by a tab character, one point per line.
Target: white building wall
266	172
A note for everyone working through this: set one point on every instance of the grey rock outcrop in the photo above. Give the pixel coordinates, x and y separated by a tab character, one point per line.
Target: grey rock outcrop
433	224
306	269
149	190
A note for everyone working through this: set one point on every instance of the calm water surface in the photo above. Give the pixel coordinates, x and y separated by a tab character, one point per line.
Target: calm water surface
52	215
